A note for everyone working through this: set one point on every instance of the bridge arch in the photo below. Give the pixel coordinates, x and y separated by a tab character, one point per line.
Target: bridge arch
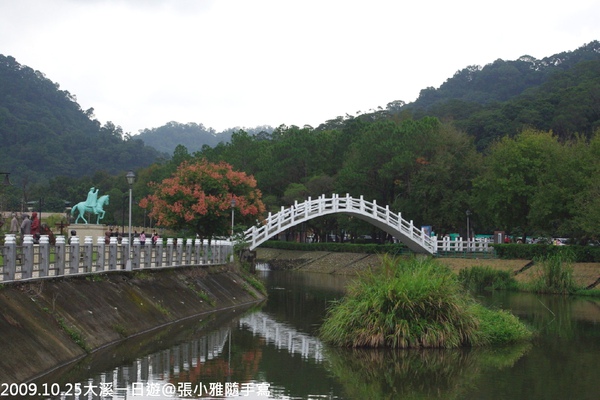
414	238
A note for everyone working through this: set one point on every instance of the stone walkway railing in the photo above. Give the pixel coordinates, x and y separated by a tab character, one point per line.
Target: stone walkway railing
31	261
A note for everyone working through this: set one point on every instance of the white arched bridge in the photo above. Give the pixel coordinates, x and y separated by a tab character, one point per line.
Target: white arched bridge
413	237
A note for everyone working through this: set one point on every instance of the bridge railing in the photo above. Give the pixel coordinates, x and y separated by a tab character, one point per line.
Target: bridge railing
299	212
39	261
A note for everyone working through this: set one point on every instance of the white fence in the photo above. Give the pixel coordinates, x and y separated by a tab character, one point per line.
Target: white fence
459	245
38	261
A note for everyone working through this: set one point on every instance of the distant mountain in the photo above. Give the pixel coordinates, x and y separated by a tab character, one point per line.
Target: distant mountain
191	135
501	80
45	133
559	93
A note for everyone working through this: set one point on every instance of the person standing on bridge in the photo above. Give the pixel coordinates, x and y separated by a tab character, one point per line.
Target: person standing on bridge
14	224
25	226
35	226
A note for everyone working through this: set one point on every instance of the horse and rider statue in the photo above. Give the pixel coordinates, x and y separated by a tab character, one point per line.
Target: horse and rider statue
93	204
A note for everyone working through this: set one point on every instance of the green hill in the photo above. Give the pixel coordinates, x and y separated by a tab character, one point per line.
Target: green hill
45	133
558	93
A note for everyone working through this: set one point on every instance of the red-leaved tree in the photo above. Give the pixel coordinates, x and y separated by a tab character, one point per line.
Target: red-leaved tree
198	198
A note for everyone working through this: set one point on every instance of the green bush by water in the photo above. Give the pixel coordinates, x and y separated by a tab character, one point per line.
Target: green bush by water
555	274
414	303
533	251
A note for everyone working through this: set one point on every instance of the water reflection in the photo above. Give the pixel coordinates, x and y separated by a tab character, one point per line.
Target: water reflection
416	374
274	348
282	336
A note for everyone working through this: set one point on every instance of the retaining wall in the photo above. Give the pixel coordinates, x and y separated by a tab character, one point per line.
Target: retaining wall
47	323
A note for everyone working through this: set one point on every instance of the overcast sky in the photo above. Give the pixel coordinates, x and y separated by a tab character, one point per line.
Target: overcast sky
228	63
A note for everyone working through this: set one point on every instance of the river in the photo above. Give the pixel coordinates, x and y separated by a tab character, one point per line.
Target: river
271	351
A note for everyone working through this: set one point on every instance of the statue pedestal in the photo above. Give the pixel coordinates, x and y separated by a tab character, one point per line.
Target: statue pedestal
84	230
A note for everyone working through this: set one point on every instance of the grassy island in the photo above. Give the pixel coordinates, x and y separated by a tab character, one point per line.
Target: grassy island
416	303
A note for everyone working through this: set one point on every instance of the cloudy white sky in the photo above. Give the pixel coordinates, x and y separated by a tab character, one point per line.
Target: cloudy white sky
227	63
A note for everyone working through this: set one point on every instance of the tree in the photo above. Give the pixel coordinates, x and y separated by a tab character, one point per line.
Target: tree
527	184
586	205
198	198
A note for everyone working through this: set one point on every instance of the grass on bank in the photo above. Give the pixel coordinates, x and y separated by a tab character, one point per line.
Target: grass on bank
415	303
550	274
555	275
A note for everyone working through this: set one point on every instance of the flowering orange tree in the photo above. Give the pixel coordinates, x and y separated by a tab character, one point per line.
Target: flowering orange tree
198	198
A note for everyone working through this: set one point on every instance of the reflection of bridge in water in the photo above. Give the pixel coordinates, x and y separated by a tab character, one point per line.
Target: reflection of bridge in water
283	336
162	366
186	359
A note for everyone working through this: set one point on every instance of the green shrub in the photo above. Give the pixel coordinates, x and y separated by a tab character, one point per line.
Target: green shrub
410	303
498	327
556	274
484	277
532	251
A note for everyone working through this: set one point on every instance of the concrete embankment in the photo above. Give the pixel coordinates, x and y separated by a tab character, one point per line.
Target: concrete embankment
584	274
48	323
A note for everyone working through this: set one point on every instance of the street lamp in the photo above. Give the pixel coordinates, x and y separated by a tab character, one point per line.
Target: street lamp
130	179
232	213
468	228
232	216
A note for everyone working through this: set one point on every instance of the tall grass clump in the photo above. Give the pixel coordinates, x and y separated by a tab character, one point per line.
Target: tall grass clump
555	274
484	277
408	304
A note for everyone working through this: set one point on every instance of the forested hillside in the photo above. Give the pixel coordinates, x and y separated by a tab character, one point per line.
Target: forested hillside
191	135
45	133
559	93
514	143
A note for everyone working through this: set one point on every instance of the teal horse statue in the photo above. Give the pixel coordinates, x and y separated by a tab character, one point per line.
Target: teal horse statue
82	208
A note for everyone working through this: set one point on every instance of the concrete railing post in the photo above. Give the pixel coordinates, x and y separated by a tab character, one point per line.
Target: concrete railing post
214	253
10	257
88	245
170	250
197	253
179	252
44	255
27	264
74	255
189	245
147	252
101	261
135	260
60	256
113	250
205	253
159	252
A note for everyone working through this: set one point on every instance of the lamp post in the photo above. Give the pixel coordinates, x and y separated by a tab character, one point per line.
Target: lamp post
468	227
123	216
130	179
232	216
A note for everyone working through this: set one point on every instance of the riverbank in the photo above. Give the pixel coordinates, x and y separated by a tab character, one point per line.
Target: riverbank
584	274
48	323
